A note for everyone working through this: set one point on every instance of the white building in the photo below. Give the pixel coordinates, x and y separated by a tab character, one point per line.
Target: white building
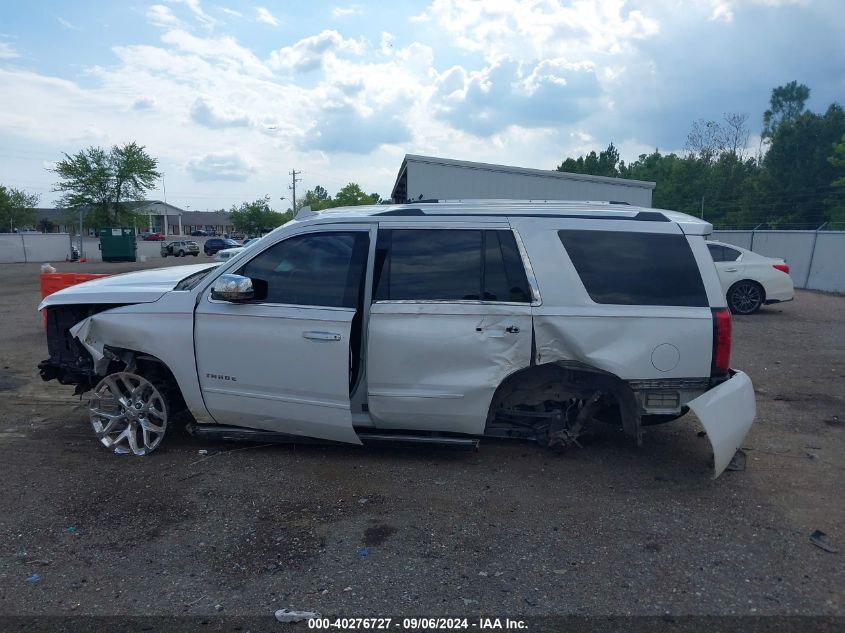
428	178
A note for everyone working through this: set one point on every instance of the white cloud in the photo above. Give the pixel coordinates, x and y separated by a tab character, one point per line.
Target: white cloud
7	51
310	53
144	103
66	25
342	12
265	16
196	9
529	30
226	166
214	116
160	15
231	12
224	51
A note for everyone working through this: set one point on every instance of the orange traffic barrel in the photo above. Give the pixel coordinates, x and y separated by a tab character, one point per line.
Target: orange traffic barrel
53	282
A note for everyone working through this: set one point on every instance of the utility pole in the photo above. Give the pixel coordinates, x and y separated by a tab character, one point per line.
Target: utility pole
702	207
293	174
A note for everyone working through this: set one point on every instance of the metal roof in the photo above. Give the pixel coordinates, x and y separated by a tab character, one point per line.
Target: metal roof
526	171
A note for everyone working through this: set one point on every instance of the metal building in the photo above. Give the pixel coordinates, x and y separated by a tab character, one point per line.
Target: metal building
426	177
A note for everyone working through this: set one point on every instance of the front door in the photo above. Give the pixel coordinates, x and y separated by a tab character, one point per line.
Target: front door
451	319
283	362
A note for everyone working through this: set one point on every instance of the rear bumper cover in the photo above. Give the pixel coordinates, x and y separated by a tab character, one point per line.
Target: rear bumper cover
726	412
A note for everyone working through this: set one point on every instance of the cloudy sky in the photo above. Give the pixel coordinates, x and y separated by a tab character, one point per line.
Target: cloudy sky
230	95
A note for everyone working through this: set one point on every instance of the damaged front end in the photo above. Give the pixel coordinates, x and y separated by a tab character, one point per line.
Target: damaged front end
70	363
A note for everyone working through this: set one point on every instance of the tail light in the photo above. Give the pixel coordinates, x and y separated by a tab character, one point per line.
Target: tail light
721	362
784	268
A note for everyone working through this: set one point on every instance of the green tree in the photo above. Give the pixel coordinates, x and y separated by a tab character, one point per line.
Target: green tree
837	159
255	218
16	208
103	180
796	183
317	198
785	104
351	195
605	163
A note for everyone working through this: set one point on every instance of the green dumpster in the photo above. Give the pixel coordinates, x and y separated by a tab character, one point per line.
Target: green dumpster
118	244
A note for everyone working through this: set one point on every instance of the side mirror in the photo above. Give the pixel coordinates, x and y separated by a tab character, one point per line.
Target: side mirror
232	288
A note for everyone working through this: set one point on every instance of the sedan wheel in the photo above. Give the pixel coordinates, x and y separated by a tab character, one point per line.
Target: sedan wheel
745	297
128	414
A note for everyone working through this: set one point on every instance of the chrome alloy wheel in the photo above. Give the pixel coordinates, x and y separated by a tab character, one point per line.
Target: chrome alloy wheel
128	414
745	298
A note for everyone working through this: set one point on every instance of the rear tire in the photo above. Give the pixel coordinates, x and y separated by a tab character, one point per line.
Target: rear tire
181	253
745	297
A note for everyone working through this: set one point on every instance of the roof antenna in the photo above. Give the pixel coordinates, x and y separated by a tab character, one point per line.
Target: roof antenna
421	197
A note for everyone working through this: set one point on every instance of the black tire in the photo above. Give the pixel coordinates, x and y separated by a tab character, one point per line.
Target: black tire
745	297
194	254
181	253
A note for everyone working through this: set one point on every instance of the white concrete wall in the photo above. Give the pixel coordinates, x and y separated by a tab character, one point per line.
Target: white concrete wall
34	247
822	268
450	182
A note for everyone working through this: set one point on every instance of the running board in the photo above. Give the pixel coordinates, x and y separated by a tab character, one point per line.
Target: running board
456	443
243	434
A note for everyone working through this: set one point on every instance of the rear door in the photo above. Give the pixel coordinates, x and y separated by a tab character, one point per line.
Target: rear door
451	318
282	362
624	296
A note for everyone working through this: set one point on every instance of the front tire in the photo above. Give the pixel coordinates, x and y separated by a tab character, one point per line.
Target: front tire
129	413
745	297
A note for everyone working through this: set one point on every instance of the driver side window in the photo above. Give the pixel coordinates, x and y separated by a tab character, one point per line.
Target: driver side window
317	269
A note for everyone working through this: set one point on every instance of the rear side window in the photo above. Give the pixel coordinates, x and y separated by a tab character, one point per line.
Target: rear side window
448	265
627	268
723	253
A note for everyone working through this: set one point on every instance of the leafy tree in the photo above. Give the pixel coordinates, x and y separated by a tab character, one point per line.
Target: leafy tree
351	195
103	180
604	163
785	104
317	198
16	208
796	180
837	159
254	218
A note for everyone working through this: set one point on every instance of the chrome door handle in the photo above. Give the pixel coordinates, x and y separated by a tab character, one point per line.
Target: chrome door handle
322	336
730	270
512	329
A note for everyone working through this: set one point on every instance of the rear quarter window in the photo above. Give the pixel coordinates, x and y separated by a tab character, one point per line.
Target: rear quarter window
627	268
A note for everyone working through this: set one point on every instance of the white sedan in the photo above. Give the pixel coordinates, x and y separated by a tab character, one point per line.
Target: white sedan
227	253
749	279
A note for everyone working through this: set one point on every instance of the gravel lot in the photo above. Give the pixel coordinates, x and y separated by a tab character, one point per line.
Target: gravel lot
510	530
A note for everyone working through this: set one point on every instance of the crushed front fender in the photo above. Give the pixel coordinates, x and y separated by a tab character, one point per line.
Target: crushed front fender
726	412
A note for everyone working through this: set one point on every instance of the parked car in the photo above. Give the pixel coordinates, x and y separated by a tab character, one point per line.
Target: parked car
180	248
217	244
750	280
199	233
522	320
153	237
227	253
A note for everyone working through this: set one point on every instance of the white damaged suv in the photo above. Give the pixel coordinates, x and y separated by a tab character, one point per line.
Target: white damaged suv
434	322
